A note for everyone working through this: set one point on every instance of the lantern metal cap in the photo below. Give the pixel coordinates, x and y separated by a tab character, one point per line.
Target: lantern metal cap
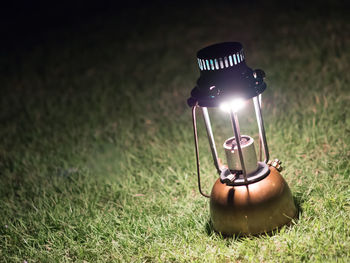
220	56
224	74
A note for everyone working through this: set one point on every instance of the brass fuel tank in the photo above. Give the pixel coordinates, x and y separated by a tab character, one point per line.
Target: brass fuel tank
254	208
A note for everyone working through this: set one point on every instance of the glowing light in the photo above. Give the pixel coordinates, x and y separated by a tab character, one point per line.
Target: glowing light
234	105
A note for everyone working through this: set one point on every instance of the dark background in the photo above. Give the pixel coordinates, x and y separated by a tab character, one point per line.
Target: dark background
27	22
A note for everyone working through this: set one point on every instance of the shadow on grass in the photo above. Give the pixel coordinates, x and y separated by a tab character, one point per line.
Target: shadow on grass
298	201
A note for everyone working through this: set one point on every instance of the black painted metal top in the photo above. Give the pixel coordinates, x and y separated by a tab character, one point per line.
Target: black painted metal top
223	75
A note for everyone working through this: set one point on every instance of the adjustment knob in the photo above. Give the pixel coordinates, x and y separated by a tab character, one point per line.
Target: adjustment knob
276	164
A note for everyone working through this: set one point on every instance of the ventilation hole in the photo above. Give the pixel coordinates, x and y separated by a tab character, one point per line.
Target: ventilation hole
238	60
226	62
212	64
205	68
221	63
216	64
230	59
234	59
200	64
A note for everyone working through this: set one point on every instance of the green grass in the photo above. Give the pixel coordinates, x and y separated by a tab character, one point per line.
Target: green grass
96	146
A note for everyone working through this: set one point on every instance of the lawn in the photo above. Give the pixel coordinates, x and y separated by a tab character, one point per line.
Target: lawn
96	147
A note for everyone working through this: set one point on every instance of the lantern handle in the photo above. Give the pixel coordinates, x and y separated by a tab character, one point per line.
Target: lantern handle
194	122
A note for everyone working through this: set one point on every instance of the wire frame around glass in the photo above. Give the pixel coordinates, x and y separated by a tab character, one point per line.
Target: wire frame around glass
235	126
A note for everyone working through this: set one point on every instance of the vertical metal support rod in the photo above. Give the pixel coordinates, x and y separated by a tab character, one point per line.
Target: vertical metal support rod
260	142
261	127
235	127
211	138
260	150
259	96
194	122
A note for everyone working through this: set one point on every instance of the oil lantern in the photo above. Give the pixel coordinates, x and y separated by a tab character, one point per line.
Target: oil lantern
249	196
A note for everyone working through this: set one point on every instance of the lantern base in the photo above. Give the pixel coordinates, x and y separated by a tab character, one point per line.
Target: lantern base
252	209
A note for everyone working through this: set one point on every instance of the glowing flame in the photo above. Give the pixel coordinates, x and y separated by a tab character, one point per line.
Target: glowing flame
234	105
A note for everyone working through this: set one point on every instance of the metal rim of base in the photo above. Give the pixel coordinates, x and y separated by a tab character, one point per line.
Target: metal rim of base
226	177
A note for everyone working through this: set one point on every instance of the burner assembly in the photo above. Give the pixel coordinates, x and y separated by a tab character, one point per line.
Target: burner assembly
250	196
